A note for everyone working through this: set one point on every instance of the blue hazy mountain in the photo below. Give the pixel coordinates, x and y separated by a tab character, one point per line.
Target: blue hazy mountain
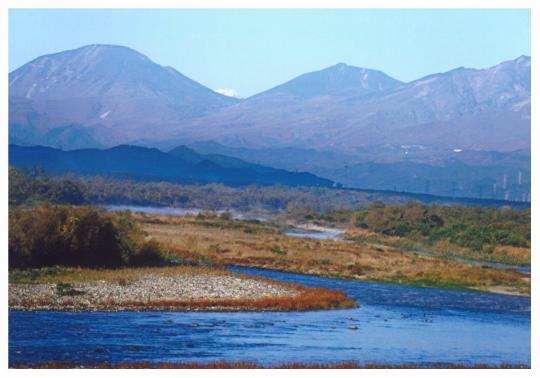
181	165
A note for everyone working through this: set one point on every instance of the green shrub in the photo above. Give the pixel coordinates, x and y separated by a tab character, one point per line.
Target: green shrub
475	228
148	253
66	289
279	251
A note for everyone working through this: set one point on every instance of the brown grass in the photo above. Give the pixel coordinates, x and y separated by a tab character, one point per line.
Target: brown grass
127	275
225	243
253	365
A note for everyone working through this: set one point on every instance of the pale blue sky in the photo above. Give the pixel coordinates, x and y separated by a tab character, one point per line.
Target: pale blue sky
253	50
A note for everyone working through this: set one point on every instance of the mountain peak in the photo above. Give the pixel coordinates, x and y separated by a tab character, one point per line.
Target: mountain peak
104	50
86	55
110	86
340	66
523	60
340	80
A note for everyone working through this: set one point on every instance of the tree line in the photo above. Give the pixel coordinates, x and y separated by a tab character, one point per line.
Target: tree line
480	229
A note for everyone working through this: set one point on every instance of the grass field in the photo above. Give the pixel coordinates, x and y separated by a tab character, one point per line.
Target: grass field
256	244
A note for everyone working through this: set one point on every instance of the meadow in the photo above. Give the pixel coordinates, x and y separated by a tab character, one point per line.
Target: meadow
497	235
218	240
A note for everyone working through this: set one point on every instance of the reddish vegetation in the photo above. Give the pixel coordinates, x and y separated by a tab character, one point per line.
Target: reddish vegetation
253	365
307	299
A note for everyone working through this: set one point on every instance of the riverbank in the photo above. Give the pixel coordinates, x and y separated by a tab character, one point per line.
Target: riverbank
379	331
162	289
259	244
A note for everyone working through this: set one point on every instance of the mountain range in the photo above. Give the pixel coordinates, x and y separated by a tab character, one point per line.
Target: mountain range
461	109
346	123
105	95
179	165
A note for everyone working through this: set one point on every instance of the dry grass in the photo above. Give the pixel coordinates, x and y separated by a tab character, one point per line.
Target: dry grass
254	365
226	243
75	275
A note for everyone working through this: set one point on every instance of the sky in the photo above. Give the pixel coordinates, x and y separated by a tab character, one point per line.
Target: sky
243	52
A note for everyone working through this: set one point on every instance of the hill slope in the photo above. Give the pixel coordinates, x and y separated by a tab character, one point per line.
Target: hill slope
152	164
102	95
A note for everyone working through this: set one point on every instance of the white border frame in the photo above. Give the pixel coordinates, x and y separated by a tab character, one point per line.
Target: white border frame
5	5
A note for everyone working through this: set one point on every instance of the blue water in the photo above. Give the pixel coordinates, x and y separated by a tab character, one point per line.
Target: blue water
181	211
521	269
318	235
396	324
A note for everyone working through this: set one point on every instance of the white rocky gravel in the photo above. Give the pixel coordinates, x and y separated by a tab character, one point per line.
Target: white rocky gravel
114	296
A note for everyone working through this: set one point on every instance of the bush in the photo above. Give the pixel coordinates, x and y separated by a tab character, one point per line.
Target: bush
147	254
475	228
76	236
279	251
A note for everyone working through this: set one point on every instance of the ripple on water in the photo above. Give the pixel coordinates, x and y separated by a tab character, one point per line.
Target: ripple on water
395	324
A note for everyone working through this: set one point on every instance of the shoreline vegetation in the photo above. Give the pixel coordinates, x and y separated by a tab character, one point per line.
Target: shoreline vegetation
254	365
500	236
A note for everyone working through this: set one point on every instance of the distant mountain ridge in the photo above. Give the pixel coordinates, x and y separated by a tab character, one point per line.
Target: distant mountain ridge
180	165
476	109
340	80
413	169
102	95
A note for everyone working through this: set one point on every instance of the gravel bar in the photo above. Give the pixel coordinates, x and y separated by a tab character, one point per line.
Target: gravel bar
150	292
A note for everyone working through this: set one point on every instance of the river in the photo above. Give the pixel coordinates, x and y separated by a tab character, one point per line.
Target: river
395	324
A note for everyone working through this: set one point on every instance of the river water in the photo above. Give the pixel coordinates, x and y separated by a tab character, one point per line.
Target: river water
396	324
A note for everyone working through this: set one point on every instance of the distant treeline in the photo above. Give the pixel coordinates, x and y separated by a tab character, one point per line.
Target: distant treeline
32	186
480	229
476	228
